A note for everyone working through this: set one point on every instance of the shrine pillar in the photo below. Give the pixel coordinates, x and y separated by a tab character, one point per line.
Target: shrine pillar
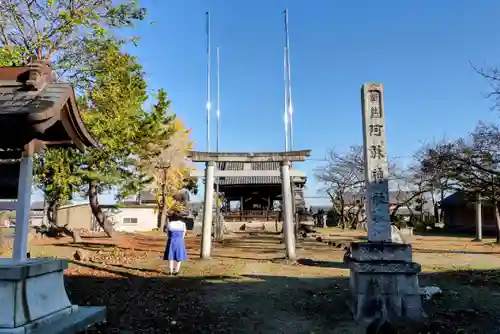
287	207
479	219
23	205
206	231
384	279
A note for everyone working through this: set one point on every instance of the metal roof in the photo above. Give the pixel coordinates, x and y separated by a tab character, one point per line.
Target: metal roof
251	180
243	180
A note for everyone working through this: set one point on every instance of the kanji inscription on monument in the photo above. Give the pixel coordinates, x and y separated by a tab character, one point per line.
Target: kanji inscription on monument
376	168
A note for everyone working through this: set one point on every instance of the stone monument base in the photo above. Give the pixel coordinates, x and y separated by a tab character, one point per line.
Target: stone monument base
384	282
34	299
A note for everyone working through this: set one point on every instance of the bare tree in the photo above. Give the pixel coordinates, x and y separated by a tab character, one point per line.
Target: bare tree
342	174
406	191
428	171
492	75
344	182
470	165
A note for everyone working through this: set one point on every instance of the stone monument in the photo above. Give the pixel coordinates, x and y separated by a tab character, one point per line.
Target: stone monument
384	279
36	112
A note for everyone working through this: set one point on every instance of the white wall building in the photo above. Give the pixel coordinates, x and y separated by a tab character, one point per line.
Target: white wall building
132	218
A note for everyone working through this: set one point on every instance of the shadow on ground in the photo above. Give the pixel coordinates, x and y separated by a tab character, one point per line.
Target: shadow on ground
272	304
447	251
323	264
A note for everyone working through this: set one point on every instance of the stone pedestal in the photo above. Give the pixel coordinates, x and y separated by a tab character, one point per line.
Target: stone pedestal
384	282
34	299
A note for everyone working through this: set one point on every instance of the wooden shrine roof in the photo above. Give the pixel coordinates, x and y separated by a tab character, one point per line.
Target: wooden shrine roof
33	106
249	180
252	180
244	161
36	109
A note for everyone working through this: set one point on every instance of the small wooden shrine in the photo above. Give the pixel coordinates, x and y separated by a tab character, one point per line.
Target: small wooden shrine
256	197
36	111
250	183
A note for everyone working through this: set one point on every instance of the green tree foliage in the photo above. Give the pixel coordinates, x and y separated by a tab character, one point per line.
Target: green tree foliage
54	174
61	31
112	110
58	29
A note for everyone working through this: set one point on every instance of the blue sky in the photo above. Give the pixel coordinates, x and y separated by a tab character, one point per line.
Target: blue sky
419	50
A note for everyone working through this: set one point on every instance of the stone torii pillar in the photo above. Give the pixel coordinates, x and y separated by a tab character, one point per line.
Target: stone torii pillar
206	231
479	219
286	191
384	279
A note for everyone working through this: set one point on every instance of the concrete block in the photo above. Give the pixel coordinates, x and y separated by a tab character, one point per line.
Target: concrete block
33	295
384	287
381	251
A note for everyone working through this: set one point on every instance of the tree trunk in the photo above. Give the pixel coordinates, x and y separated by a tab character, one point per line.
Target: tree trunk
394	211
162	201
52	210
52	213
96	209
441	211
437	218
341	211
497	220
163	215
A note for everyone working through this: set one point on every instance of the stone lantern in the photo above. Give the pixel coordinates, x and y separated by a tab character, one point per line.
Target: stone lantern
36	111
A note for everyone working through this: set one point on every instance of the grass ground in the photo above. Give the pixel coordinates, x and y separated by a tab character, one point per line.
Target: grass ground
246	288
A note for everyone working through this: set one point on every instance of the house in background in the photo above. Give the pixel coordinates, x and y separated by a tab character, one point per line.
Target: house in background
134	214
36	214
126	217
459	213
76	216
72	215
145	197
130	217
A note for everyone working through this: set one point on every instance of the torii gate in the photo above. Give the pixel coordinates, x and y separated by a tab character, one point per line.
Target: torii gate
285	158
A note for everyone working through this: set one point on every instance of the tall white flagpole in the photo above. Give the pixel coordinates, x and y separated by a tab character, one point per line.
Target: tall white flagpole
218	99
285	115
289	79
208	106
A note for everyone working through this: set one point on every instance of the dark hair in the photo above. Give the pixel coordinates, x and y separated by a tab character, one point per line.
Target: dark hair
175	216
178	215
